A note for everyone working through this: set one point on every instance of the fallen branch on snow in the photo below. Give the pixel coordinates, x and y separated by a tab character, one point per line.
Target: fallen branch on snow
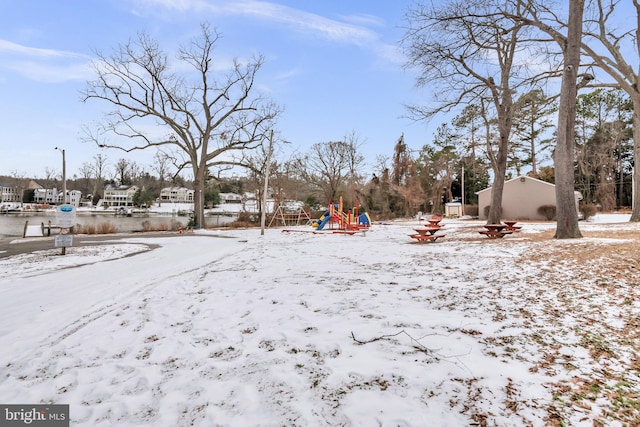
415	343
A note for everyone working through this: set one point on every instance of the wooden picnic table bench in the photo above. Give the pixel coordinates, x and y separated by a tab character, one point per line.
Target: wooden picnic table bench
495	234
422	238
427	230
426	234
511	225
434	221
495	231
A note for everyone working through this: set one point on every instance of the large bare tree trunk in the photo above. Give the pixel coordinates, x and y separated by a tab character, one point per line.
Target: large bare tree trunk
500	170
635	183
567	215
198	196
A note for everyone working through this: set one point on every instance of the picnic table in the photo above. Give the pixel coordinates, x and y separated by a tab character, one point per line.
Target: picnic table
426	234
495	231
434	221
511	225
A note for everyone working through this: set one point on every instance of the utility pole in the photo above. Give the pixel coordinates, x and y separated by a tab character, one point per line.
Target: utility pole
64	191
267	169
462	195
64	176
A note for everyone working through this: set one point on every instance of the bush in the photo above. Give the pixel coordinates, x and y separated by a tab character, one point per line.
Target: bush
86	229
547	211
147	226
102	228
244	221
106	228
588	210
471	210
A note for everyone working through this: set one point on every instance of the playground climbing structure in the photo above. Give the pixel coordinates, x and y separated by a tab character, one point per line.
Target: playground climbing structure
348	221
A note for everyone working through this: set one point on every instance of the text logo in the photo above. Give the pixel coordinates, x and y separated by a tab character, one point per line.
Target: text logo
34	415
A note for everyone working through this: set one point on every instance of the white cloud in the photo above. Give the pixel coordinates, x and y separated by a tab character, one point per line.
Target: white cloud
352	30
364	19
10	47
50	73
44	65
288	74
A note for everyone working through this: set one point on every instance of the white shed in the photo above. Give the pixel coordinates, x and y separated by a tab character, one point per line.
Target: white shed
521	198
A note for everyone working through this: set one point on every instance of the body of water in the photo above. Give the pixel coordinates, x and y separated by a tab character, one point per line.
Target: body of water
13	224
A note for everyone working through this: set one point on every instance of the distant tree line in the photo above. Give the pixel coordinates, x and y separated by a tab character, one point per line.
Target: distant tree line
405	181
493	63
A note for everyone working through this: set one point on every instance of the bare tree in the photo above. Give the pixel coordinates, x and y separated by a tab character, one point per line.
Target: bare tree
86	173
438	164
49	176
566	213
122	172
99	170
405	182
162	162
331	167
603	146
467	51
605	44
210	122
609	47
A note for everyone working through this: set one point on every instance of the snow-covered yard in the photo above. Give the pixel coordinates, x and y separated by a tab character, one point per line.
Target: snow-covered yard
232	328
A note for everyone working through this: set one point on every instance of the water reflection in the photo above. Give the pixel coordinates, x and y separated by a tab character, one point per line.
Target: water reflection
13	224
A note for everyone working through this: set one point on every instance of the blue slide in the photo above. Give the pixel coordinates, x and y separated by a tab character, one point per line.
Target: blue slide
324	219
363	219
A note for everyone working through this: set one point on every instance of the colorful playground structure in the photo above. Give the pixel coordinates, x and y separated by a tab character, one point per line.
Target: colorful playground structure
346	221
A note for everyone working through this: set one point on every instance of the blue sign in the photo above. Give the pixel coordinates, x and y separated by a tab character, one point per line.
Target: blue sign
66	216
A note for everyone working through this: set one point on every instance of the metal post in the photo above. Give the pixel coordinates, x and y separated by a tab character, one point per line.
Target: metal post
64	176
263	217
64	188
462	195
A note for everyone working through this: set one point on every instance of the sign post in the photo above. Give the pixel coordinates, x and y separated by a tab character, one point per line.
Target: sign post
66	218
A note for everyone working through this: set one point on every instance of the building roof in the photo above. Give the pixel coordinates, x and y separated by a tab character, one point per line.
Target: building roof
119	187
529	178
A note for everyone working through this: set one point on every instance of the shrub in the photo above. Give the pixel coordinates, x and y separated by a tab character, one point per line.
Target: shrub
244	217
102	228
547	211
588	210
162	226
471	210
86	229
106	228
244	220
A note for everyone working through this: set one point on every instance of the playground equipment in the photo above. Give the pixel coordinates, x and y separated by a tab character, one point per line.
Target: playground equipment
348	221
290	218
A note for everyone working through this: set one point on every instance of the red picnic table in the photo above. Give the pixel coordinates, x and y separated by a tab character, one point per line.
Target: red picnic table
495	231
511	225
434	221
426	234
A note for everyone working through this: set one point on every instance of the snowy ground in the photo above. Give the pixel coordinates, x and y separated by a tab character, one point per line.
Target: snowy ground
232	328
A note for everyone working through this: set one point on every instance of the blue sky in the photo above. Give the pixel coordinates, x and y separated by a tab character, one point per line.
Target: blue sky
334	65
